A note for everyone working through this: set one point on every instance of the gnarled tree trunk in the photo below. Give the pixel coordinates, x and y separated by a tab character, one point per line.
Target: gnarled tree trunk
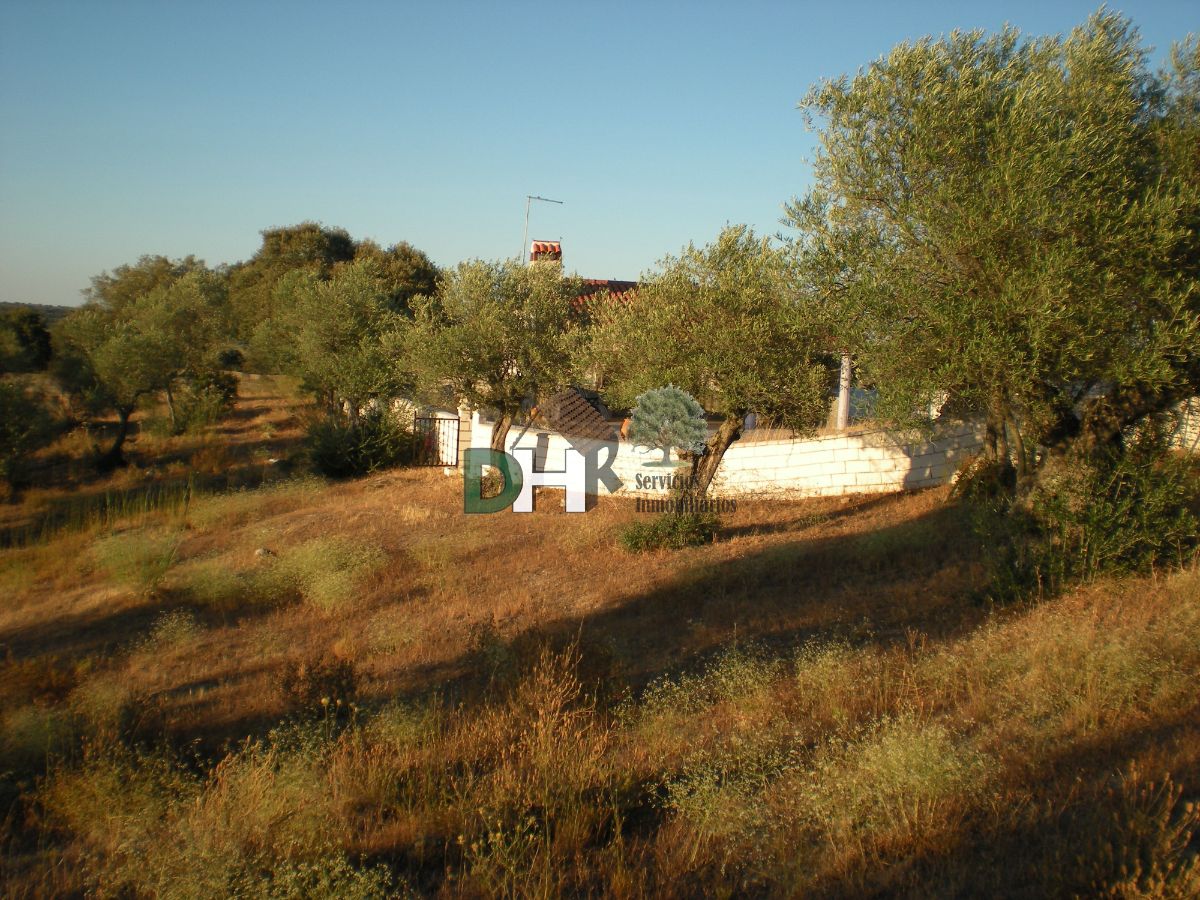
705	467
113	458
500	432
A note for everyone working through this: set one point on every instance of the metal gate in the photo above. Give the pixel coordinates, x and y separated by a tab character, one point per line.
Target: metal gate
437	441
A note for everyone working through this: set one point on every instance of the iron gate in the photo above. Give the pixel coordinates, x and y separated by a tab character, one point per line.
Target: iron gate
437	441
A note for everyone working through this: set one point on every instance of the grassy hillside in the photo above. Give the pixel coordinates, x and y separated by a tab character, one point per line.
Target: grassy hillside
221	676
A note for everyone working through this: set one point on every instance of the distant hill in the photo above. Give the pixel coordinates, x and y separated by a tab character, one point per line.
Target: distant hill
50	313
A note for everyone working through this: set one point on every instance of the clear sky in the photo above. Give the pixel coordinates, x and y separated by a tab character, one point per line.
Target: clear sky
169	127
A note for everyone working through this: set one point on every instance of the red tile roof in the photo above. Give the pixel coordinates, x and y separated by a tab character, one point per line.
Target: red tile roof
591	288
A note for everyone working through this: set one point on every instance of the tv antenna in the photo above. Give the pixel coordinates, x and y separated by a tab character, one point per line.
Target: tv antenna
529	198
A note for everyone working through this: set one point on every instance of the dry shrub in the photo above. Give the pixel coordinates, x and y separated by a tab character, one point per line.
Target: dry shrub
319	683
233	508
515	795
212	459
105	704
1150	851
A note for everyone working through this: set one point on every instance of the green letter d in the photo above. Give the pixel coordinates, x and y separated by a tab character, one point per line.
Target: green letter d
474	460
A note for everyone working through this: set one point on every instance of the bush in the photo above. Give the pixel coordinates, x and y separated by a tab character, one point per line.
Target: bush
1128	511
25	425
340	448
325	572
24	341
205	400
671	531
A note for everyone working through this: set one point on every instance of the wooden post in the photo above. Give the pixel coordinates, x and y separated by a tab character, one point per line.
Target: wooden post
843	403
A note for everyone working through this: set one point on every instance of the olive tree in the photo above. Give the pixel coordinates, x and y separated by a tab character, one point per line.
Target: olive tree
112	356
309	247
497	334
725	322
1008	225
339	336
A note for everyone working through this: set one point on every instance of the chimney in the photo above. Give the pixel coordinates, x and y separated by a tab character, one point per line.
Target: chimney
549	251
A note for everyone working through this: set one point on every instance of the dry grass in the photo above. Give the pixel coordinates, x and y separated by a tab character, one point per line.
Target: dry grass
396	697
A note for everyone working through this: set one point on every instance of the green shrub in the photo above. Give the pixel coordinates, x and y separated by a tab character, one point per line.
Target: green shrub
671	531
340	448
177	626
1128	511
325	572
32	735
204	401
25	425
214	584
900	775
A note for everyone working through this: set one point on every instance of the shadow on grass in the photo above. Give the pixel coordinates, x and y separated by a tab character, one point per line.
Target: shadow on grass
100	633
873	588
869	588
804	520
102	508
1069	838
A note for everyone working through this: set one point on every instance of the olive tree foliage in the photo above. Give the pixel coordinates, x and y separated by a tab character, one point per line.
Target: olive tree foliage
24	340
339	336
405	271
112	354
26	424
257	292
726	322
497	335
1009	225
307	247
127	283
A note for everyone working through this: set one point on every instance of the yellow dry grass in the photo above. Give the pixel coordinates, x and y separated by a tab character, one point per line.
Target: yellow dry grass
393	696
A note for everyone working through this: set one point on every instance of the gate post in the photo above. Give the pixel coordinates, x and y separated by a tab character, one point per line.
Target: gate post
464	433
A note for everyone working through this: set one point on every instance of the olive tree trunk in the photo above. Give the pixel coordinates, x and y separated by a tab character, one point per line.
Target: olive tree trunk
113	457
500	431
705	466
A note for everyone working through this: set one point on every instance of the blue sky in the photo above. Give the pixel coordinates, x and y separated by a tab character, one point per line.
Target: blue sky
175	128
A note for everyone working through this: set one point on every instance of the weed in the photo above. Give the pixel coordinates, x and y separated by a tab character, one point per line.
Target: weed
325	572
670	531
178	626
139	558
319	683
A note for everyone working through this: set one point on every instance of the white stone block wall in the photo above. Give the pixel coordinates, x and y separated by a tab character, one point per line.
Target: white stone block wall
869	462
1187	437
